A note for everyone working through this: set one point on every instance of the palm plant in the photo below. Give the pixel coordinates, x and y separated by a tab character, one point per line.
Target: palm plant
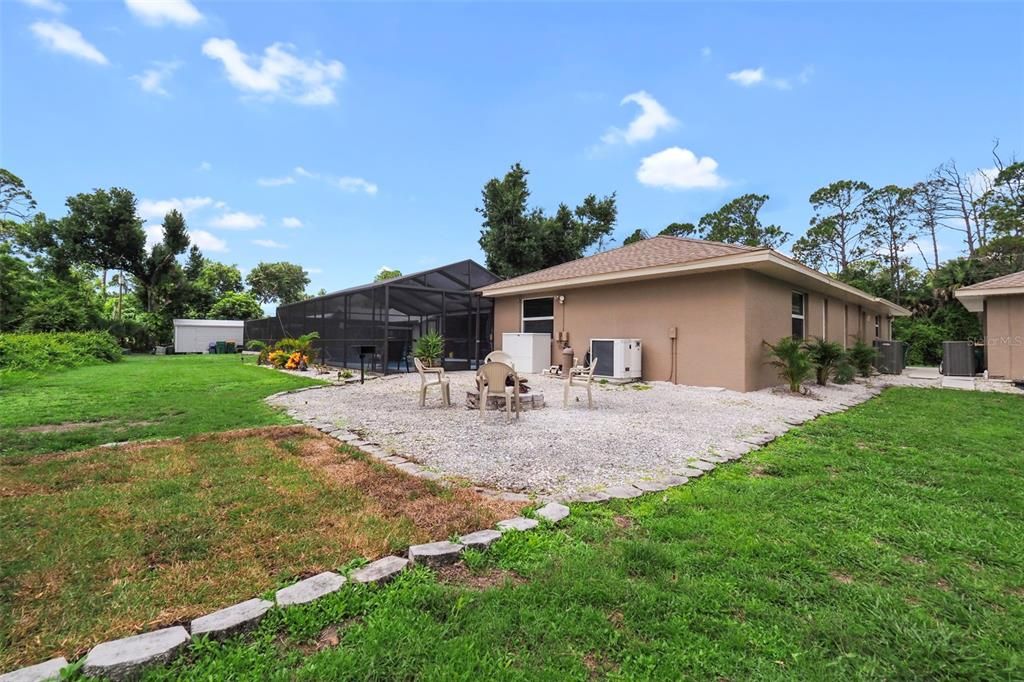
793	363
862	357
302	344
825	356
429	348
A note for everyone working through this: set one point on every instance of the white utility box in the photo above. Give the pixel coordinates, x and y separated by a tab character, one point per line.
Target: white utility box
617	358
530	353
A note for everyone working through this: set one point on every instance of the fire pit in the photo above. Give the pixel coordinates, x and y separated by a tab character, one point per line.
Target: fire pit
533	400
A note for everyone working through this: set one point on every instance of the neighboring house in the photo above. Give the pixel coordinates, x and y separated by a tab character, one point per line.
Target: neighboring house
1000	302
701	309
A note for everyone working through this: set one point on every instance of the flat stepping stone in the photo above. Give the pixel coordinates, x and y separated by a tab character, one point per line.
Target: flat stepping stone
357	443
598	496
409	468
482	539
435	554
124	659
50	670
714	459
429	475
310	589
700	464
553	512
518	523
381	570
395	459
691	472
660	484
623	492
232	620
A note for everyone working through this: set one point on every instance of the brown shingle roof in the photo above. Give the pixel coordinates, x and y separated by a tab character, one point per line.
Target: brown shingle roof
1015	279
647	253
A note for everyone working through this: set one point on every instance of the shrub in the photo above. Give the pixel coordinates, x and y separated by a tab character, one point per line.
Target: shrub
844	372
862	357
825	356
789	357
302	345
56	350
429	347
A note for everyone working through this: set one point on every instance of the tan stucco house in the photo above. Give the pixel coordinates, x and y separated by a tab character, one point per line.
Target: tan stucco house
701	308
1000	302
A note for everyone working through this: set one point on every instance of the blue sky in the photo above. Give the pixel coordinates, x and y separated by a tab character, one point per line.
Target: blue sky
374	126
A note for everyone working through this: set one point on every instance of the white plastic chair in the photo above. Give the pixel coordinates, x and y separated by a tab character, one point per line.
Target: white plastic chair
491	380
581	378
500	356
439	380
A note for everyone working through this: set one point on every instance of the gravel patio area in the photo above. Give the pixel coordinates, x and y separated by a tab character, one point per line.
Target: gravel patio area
634	432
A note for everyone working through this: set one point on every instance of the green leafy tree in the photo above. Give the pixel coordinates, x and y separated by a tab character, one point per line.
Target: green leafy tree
102	229
837	237
737	222
1003	204
679	230
518	239
16	202
236	306
888	211
387	273
194	264
637	235
160	267
278	282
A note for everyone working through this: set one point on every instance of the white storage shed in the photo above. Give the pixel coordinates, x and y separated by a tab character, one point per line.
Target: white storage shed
195	336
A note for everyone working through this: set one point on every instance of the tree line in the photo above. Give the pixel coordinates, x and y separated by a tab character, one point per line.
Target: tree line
92	269
862	235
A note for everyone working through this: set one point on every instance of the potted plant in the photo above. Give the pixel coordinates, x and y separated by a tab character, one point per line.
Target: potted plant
429	348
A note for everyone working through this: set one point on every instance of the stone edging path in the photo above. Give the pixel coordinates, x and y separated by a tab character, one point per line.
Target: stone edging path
129	657
125	659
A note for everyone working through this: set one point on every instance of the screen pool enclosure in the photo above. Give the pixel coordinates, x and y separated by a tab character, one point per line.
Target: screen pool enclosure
383	320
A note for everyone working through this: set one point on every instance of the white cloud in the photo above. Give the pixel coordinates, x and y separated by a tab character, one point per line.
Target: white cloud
278	73
276	182
46	5
62	38
156	209
206	241
201	238
677	168
238	220
152	80
705	53
751	77
269	243
159	12
299	170
652	118
205	167
748	77
291	223
314	271
350	184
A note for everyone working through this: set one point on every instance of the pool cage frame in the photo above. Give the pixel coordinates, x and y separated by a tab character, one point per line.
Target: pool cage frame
389	316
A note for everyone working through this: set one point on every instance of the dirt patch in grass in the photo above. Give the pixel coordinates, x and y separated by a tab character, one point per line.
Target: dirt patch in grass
459	574
598	665
913	560
623	522
65	426
152	534
844	578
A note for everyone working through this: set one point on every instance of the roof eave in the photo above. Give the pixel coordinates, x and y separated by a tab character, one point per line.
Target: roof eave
726	262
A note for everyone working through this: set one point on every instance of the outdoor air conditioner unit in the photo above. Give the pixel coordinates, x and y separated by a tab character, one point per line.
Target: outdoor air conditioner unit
616	358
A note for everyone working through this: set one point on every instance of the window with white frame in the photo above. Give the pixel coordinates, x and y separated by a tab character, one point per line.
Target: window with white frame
539	316
799	314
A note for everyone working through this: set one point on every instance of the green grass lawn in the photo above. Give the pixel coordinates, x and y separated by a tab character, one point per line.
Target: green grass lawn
883	543
144	396
106	543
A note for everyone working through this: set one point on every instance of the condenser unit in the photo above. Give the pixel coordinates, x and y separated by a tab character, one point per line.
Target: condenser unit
616	358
